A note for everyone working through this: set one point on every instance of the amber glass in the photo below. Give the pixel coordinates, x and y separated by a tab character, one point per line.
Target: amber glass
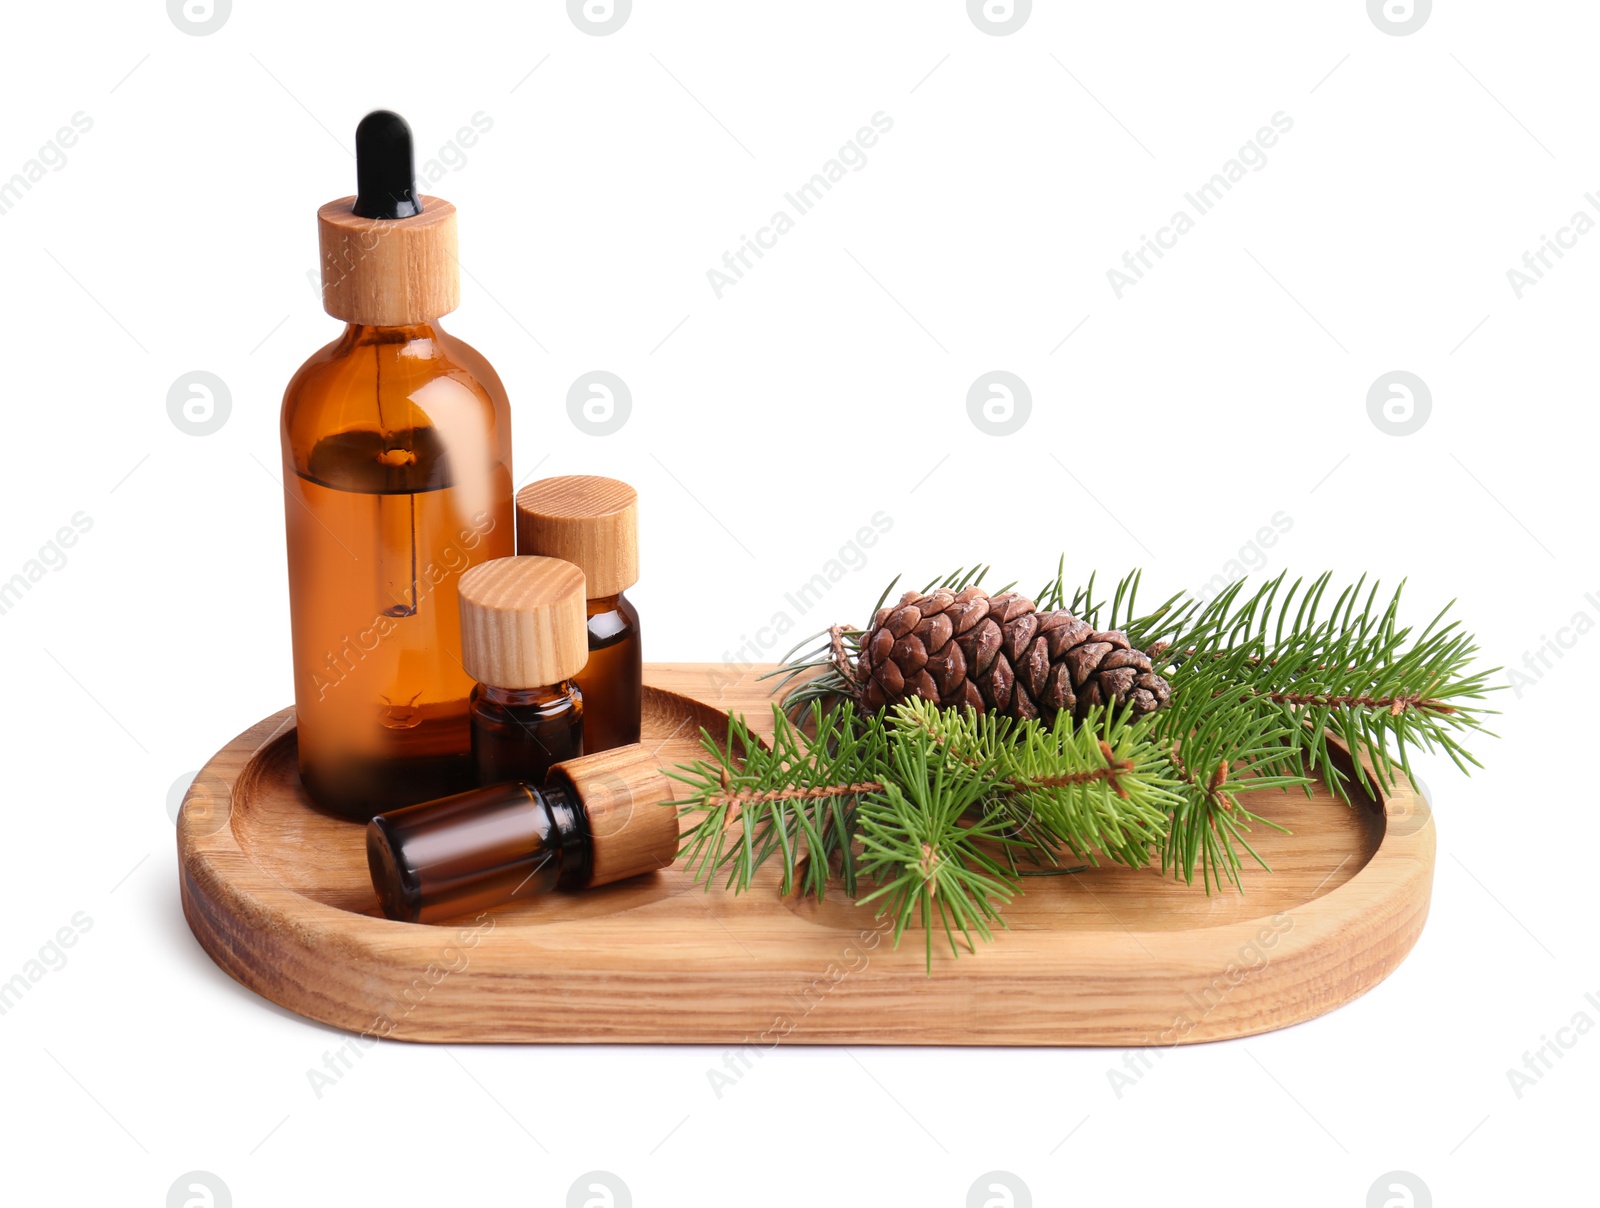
612	683
397	478
476	850
517	734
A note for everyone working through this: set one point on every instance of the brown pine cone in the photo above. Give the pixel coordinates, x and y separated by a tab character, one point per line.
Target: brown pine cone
999	653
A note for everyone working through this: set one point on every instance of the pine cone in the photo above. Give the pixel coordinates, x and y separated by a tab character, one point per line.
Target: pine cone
999	653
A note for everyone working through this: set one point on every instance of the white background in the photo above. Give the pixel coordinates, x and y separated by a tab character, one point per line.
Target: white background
768	426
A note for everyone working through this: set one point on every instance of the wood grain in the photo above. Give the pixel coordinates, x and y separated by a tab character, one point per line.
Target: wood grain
590	521
389	272
277	893
524	622
622	790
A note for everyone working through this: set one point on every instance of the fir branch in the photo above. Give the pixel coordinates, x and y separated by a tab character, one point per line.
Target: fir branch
827	792
932	864
1217	751
1353	672
1098	787
1395	705
794	798
938	802
1264	681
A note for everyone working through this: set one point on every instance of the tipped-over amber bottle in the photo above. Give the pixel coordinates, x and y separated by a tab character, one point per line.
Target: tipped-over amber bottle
397	479
595	820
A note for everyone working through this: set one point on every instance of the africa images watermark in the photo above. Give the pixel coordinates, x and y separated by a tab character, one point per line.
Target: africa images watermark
453	958
1542	659
1536	264
754	648
855	958
1252	959
1252	556
1252	157
51	556
51	958
51	156
852	157
454	559
1542	1060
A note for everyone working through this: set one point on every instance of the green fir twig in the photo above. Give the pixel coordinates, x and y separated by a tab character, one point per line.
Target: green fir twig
931	813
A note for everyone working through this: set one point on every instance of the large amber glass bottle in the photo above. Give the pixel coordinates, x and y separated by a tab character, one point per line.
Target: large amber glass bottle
397	479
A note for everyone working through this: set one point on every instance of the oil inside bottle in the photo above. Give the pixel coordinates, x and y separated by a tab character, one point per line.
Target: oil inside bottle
612	681
385	722
519	734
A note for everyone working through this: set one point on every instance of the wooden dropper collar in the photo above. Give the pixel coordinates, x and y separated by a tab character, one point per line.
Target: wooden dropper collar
389	257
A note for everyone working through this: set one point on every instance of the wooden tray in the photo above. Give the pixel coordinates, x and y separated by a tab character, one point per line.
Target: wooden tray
277	893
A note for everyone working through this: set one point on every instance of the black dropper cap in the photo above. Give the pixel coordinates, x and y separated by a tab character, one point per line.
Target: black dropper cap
385	176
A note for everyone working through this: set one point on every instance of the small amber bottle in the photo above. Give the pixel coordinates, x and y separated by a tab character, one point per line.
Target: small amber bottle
594	523
523	639
597	819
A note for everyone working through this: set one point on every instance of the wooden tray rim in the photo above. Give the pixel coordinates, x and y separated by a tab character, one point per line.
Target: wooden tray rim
1395	883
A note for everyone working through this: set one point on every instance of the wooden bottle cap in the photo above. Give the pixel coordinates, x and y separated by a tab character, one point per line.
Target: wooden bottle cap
623	793
524	622
591	522
389	272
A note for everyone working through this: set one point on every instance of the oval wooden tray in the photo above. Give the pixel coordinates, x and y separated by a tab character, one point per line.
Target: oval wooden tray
277	893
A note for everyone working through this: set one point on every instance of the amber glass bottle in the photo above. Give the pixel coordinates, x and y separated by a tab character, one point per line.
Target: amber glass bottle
523	640
475	850
397	479
517	734
615	674
593	523
595	820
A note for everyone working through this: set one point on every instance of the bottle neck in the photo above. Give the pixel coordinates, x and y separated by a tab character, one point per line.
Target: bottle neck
569	835
359	334
525	697
611	620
